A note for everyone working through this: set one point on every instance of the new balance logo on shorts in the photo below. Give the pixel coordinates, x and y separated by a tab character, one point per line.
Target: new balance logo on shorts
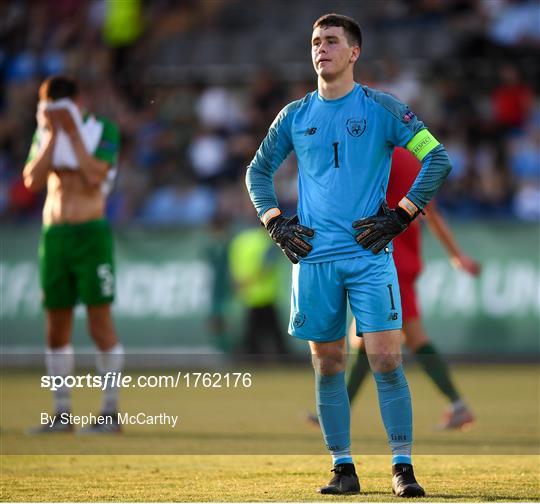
310	131
393	316
299	320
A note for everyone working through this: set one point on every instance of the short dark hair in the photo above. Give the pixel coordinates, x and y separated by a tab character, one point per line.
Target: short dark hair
350	26
58	87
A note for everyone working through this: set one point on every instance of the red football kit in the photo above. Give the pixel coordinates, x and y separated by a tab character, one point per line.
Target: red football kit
407	246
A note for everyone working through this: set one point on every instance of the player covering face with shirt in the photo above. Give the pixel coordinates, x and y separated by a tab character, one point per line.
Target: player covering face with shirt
339	242
73	156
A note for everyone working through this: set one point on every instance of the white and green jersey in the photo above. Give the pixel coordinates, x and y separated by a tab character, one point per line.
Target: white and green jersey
107	149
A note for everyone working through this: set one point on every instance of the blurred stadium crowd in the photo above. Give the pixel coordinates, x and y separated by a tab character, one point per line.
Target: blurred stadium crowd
194	86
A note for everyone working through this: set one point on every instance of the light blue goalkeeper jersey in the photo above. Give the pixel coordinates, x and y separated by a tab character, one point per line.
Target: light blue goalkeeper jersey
344	149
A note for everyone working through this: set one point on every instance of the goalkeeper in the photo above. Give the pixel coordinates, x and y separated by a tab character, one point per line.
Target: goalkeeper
343	136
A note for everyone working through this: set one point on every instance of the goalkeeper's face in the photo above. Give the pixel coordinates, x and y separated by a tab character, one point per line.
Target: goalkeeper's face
331	53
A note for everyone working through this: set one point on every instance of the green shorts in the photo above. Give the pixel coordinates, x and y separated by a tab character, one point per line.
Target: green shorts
76	264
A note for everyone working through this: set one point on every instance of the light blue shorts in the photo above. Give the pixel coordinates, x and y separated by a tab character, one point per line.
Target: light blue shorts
320	292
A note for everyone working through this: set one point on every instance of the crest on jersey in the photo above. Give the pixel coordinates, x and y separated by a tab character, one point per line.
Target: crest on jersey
356	127
299	320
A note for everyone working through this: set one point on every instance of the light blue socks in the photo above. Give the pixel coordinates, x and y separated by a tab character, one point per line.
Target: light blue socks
334	416
396	412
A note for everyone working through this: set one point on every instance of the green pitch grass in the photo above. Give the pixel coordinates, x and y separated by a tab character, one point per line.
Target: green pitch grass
237	478
253	445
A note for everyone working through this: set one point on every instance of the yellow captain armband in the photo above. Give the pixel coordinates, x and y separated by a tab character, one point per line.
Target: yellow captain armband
422	144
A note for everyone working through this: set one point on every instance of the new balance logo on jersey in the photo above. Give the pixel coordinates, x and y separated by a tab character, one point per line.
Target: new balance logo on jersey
310	131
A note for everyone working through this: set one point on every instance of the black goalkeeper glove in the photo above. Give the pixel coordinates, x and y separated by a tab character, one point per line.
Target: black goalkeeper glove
287	232
379	230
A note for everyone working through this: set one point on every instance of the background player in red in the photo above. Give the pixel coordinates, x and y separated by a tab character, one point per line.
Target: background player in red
408	260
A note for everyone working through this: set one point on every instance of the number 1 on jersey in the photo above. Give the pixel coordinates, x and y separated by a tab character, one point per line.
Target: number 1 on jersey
336	159
393	306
